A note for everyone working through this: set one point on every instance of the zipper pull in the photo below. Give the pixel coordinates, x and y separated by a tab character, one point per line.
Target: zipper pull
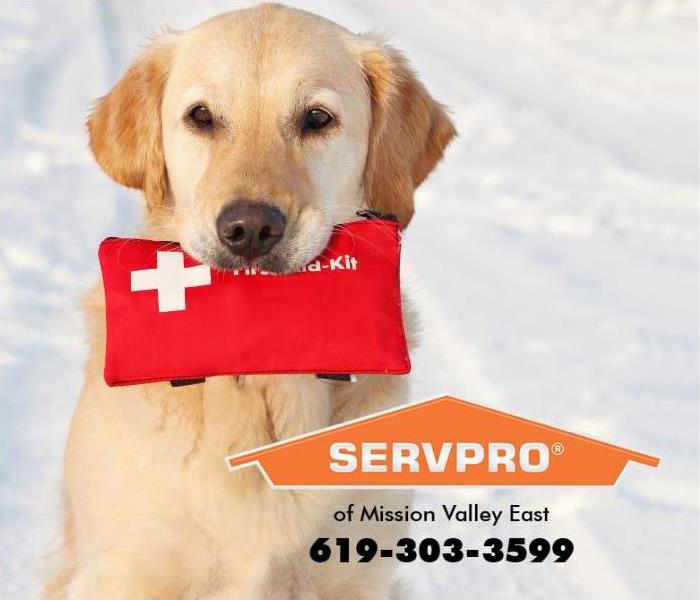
374	214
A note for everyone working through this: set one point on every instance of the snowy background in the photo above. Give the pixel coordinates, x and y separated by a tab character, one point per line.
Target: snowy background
554	254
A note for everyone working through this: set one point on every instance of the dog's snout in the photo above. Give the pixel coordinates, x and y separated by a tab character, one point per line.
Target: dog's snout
250	229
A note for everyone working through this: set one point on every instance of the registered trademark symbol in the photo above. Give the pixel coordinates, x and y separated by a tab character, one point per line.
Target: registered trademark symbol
557	448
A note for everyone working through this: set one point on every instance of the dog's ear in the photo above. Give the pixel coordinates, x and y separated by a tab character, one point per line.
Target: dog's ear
125	125
409	131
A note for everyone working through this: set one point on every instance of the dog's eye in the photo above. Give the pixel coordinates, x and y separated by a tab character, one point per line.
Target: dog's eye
316	119
201	116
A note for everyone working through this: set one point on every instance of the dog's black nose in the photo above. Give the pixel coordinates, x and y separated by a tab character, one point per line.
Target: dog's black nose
249	228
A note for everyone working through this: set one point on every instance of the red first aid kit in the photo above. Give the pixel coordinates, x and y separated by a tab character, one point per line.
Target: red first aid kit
170	318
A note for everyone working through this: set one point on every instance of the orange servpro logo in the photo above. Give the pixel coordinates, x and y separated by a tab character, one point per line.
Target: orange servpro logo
440	442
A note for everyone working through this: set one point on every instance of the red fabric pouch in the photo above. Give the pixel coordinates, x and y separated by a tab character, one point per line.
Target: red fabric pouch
170	318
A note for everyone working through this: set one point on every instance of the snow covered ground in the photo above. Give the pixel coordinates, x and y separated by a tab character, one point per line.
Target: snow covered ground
554	254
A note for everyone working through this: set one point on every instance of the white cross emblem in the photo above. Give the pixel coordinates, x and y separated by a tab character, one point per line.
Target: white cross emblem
170	278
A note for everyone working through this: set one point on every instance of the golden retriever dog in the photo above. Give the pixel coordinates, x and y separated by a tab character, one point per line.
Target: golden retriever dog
250	136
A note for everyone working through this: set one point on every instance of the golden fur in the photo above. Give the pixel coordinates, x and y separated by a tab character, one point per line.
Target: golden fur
150	508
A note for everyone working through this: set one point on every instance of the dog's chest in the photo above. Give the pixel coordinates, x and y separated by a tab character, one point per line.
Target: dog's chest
240	510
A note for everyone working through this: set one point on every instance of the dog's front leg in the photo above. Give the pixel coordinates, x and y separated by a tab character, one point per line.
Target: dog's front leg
115	578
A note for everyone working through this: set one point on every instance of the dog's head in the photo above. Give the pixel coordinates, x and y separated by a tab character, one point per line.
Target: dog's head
254	133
